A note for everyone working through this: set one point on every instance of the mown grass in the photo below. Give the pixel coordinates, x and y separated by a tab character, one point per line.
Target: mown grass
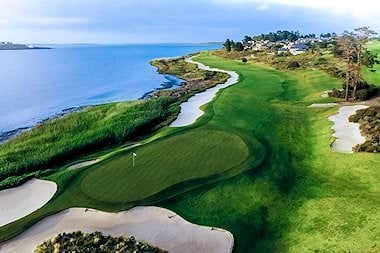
163	164
304	197
59	140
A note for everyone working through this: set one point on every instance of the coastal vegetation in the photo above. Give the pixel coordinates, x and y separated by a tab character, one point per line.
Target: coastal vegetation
56	141
94	242
369	120
197	80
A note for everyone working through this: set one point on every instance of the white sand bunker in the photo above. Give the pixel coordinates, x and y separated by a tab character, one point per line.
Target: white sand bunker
347	134
325	94
20	201
190	110
83	164
323	105
156	226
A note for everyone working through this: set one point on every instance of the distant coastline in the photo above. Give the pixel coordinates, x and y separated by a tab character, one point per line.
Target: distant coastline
12	46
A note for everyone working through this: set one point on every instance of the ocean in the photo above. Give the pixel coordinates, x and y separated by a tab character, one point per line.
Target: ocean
38	84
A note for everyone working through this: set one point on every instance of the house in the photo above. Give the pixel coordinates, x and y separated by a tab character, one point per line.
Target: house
298	48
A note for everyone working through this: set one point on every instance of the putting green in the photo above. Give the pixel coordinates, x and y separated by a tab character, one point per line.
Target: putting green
164	163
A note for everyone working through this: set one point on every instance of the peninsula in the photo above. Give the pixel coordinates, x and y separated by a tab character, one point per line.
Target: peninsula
12	46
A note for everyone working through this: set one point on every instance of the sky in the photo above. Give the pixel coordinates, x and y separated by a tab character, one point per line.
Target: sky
162	21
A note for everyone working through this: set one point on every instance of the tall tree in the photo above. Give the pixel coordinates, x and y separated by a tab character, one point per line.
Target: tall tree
238	46
246	40
227	45
347	44
362	37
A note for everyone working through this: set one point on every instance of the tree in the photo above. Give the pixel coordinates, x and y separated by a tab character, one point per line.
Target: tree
353	48
346	43
362	37
238	46
246	40
227	45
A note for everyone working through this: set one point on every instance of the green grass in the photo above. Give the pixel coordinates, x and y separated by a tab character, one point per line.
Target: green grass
303	198
60	140
163	164
293	194
369	76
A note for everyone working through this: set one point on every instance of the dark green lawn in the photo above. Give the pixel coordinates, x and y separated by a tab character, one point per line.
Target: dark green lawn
164	163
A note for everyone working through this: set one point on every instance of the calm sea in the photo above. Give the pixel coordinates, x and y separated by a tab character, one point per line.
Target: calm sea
37	84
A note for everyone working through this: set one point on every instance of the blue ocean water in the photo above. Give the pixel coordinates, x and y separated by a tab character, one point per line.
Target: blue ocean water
37	84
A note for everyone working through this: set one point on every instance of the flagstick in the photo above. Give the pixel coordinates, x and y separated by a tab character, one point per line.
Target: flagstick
133	160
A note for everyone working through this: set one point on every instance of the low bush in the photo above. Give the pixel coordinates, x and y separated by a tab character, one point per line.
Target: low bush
369	120
94	242
293	65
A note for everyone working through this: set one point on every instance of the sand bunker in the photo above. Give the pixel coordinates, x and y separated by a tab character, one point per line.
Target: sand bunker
83	164
20	201
156	226
190	110
325	94
347	134
324	105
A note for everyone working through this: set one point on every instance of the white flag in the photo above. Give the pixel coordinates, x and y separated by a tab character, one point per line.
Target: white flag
134	154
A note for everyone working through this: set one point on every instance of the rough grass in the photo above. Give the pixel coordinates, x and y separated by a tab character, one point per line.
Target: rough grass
62	139
163	164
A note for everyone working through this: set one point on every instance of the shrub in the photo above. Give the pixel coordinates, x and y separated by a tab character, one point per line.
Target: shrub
94	242
244	60
369	120
293	65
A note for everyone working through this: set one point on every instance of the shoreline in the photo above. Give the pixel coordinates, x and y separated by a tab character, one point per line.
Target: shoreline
190	110
171	83
9	135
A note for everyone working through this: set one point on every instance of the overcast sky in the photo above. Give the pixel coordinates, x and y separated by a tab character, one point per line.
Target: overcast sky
134	21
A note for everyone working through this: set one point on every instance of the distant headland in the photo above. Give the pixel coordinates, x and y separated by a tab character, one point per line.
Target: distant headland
12	46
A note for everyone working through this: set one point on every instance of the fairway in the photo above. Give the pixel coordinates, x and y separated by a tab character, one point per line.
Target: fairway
164	163
258	163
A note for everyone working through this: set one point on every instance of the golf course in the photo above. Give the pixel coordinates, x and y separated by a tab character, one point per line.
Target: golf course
258	163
